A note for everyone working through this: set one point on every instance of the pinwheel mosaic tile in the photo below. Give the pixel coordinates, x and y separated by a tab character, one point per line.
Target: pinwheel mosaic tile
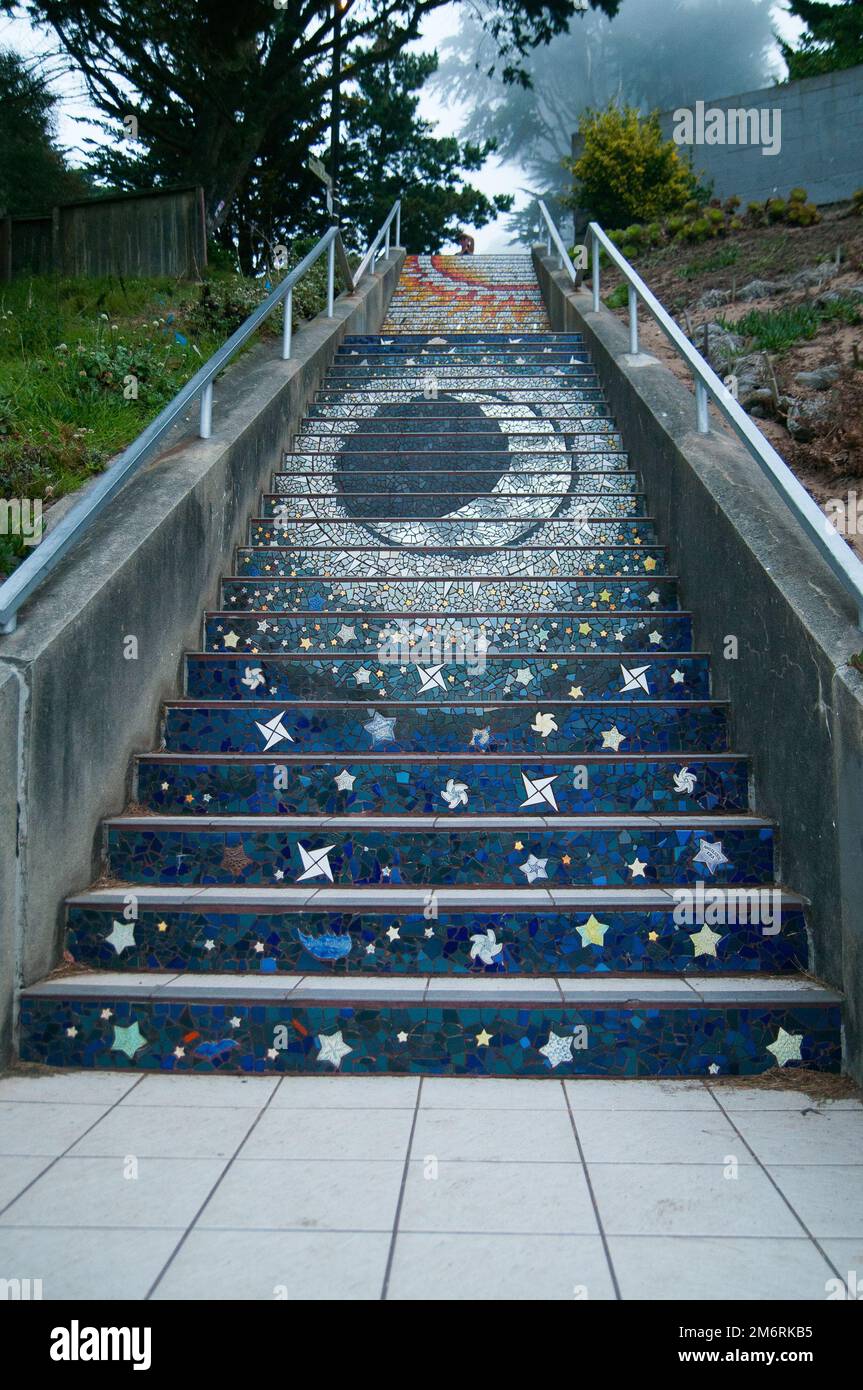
545	942
554	726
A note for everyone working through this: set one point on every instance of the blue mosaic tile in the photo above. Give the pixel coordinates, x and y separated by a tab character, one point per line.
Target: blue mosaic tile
279	1038
612	855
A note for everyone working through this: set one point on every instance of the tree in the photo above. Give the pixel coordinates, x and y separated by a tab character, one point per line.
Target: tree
390	151
654	56
33	172
833	37
212	83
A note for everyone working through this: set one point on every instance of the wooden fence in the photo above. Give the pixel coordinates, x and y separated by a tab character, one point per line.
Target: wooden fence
162	232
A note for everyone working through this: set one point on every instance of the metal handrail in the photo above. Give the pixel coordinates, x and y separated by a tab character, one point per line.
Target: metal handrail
81	516
554	239
384	233
709	387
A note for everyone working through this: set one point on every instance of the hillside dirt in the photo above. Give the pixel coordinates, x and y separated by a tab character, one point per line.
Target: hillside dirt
830	462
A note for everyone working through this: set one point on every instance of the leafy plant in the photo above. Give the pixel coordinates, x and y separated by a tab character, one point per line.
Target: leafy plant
627	169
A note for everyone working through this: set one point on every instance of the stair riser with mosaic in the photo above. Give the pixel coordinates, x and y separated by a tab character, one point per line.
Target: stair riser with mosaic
188	850
471	504
422	561
375	1037
397	942
470	784
417	637
545	594
450	532
226	675
669	727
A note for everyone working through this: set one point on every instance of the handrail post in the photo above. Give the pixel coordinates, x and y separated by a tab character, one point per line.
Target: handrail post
702	401
286	326
399	223
595	269
387	251
331	276
633	321
205	428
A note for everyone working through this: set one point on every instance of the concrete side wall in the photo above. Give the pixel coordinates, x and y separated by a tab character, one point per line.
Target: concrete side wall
747	570
100	646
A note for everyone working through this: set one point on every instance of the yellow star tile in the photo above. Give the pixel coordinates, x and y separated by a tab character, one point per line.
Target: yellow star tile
483	1039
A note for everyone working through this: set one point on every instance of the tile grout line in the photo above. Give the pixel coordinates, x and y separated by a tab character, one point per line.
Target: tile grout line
603	1237
774	1184
216	1185
397	1217
66	1152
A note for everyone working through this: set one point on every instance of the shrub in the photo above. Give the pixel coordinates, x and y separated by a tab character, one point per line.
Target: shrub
627	169
776	209
675	224
857	202
798	195
633	236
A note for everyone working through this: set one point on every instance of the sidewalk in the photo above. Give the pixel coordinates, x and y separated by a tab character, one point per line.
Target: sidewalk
124	1185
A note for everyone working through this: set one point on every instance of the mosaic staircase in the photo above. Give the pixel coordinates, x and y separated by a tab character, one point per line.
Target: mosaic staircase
445	758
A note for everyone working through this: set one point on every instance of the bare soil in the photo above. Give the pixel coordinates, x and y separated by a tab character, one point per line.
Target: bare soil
831	466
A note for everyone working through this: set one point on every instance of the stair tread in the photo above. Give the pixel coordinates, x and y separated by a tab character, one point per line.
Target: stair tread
719	991
448	823
362	898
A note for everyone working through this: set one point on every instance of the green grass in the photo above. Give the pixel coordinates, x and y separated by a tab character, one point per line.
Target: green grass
68	348
619	298
776	330
726	256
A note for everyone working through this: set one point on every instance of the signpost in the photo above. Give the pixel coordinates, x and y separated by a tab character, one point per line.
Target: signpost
316	167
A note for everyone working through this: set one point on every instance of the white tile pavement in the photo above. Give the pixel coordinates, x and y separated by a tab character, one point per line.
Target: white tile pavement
184	1187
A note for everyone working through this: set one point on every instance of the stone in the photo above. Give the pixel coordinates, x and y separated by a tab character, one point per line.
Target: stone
807	418
821	379
761	289
713	299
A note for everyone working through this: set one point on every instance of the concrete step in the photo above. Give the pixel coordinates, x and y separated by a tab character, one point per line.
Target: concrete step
428	562
456	931
493	676
363	498
529	726
303	1025
477	782
420	638
557	851
540	593
478	523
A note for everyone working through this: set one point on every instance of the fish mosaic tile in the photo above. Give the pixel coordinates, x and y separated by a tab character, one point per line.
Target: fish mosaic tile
261	940
446	788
